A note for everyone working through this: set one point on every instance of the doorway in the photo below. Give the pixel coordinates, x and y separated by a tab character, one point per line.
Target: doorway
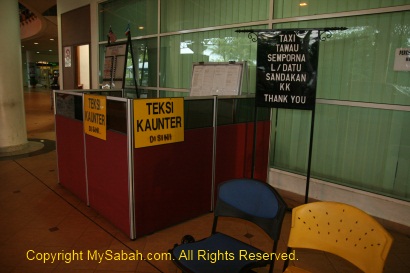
83	66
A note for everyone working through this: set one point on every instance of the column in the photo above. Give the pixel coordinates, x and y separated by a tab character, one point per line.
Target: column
13	132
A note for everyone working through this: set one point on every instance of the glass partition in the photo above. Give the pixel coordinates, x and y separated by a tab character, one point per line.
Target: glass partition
198	113
179	15
245	111
296	8
360	147
117	116
235	110
69	105
348	151
172	94
357	64
346	146
145	57
179	52
141	15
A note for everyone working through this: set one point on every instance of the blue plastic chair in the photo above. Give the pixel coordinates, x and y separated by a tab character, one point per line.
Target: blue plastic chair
247	199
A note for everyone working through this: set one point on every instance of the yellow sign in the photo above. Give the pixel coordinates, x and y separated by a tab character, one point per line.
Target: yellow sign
158	121
95	116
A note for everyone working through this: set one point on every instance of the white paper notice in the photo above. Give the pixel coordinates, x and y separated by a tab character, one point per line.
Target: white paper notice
402	59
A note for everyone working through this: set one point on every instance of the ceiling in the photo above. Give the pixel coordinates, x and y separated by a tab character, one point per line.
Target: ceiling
44	10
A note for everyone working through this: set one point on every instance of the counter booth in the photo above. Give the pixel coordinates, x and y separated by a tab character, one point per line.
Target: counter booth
141	190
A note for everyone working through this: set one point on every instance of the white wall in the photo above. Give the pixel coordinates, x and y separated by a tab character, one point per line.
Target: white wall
377	205
84	66
64	6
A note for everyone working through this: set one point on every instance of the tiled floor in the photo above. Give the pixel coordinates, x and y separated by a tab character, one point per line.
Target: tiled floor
38	218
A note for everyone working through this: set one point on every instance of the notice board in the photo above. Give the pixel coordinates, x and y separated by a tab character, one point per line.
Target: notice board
209	79
114	66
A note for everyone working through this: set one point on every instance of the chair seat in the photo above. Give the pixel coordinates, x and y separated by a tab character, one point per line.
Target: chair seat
294	269
218	253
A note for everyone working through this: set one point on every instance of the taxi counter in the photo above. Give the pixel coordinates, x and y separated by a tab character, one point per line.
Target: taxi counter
145	189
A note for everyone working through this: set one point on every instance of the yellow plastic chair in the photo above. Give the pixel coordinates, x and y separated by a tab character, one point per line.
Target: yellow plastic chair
340	229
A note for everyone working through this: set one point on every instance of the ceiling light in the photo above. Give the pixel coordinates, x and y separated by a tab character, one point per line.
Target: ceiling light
303	4
36	43
51	39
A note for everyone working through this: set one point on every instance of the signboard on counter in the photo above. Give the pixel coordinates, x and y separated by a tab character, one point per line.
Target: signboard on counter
158	121
287	69
220	79
95	116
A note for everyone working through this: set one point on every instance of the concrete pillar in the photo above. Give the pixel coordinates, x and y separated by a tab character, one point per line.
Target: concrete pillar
13	132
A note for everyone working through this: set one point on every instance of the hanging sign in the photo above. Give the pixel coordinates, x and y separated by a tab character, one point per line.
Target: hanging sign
287	69
158	121
95	116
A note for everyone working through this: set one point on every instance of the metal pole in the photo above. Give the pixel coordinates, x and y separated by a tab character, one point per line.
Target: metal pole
130	155
214	138
255	121
129	43
312	126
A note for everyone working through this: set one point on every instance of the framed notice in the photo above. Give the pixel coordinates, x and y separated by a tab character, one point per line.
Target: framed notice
158	121
108	61
67	56
287	69
210	79
114	66
107	73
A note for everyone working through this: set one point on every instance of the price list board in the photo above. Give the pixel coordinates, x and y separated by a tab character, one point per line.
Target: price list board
209	79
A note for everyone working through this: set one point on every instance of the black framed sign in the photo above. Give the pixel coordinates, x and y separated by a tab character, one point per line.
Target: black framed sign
287	64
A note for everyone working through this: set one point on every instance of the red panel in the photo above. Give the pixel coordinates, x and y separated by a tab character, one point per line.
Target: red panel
70	155
173	181
107	171
235	151
261	152
230	152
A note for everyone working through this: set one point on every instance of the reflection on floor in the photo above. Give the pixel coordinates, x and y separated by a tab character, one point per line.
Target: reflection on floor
40	219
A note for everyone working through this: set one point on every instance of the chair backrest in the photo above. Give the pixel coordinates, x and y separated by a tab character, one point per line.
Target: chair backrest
343	230
254	201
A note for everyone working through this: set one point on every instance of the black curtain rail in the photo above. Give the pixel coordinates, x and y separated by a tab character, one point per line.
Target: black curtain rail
290	29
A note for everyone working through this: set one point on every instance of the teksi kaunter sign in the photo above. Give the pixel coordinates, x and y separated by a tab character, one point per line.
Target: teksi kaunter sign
158	121
95	116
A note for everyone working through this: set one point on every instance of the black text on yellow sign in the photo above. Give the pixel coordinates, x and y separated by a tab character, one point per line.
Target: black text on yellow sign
158	121
95	116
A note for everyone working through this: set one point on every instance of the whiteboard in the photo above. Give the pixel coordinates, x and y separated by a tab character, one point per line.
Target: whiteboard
209	79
